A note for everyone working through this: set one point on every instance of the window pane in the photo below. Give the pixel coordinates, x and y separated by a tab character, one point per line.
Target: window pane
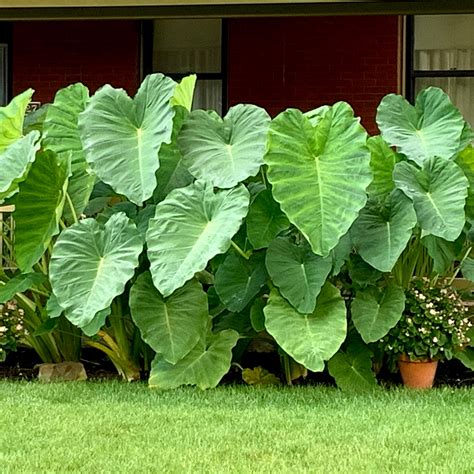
208	95
187	45
444	42
459	89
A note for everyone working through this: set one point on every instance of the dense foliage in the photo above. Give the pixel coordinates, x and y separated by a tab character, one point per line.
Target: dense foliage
177	240
434	324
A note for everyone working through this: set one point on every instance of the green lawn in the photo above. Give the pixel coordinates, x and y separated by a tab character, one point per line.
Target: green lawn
113	427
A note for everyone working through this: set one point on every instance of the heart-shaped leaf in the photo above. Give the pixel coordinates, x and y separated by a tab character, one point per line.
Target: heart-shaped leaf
341	253
438	192
225	151
53	310
15	162
467	269
98	321
466	356
184	92
38	207
172	173
238	281
259	376
352	369
204	366
11	119
432	127
122	137
61	134
375	312
257	317
443	253
91	264
382	162
309	338
191	226
171	326
381	233
19	284
297	272
265	220
465	160
319	173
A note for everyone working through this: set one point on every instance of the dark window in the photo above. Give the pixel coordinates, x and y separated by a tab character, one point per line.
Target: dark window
443	56
185	46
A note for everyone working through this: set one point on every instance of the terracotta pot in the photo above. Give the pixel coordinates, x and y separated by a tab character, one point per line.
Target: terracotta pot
417	373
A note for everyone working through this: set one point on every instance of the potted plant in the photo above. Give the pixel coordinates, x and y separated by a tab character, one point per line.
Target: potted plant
434	326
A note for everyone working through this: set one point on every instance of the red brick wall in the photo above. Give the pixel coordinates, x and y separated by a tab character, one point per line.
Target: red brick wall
50	55
306	62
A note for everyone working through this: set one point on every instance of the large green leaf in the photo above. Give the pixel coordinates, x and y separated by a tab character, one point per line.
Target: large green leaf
382	162
191	226
309	338
38	207
352	369
171	326
238	281
97	322
466	356
381	232
11	119
319	173
225	151
35	120
91	263
341	253
297	272
122	137
61	134
19	284
467	269
432	127
443	252
465	160
374	311
438	191
184	92
265	220
15	162
361	273
204	366
172	173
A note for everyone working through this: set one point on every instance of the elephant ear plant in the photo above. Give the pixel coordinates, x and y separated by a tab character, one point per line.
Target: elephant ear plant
35	181
417	221
185	237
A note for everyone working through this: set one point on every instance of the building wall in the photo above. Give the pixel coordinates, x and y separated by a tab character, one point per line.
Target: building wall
307	62
50	55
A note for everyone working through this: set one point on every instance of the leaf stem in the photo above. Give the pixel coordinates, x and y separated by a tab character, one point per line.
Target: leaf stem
71	207
263	177
239	250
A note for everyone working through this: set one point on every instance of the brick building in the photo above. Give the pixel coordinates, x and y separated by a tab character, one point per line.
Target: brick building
275	54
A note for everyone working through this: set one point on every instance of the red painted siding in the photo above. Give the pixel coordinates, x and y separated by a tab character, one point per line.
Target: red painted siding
50	55
306	62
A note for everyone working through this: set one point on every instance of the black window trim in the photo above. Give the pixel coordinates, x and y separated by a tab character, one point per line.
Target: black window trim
412	74
147	60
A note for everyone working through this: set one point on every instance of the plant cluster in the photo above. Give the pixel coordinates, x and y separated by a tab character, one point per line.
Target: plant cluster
175	239
435	323
12	327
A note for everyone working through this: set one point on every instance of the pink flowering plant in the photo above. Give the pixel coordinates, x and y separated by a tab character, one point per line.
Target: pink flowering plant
435	323
12	327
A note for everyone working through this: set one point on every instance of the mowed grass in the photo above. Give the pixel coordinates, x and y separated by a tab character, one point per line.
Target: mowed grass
97	427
